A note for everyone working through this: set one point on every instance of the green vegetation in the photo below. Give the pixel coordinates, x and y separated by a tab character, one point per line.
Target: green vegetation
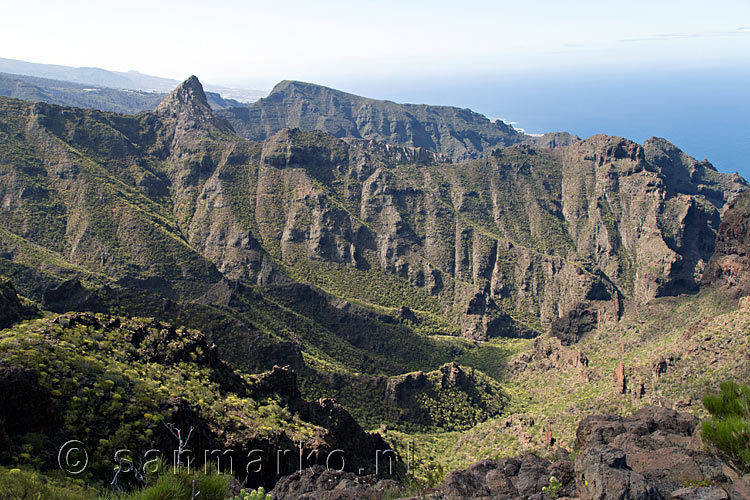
16	484
107	381
259	494
359	271
700	334
491	357
181	484
553	488
727	432
24	483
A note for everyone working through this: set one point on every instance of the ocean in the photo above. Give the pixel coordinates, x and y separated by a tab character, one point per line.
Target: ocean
706	113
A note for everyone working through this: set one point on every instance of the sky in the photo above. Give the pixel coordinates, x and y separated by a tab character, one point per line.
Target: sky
256	44
675	69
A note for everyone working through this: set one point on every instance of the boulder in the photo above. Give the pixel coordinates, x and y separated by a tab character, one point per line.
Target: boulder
658	444
520	477
602	474
700	493
320	483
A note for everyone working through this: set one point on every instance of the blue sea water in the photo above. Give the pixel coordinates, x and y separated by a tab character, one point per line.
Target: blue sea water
704	112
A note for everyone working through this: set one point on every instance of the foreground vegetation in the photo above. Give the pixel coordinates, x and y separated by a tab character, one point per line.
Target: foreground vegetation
727	432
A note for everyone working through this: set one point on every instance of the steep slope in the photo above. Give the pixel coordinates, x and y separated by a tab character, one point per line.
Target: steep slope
351	260
505	245
729	266
116	383
453	132
109	213
12	308
670	352
646	220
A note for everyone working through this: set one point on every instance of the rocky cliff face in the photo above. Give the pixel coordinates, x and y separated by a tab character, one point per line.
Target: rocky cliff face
456	133
730	264
502	246
505	245
644	214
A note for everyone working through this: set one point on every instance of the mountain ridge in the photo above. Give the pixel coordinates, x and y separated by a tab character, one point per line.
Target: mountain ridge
441	232
454	132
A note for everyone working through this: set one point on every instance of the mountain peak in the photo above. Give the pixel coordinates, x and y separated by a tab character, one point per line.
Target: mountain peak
289	87
458	134
284	85
188	92
188	106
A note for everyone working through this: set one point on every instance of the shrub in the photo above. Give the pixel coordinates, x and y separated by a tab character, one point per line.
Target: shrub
553	488
259	494
22	483
178	485
727	433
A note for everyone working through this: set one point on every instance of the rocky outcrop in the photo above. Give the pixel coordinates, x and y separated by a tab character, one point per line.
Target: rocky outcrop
730	264
11	309
652	455
340	431
549	353
602	473
573	326
657	449
519	477
320	483
643	216
417	395
188	109
70	295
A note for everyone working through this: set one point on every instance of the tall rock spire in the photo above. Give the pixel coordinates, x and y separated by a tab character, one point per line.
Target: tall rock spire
190	92
188	107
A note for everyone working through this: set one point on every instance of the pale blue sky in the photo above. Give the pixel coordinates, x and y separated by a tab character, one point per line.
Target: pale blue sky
332	42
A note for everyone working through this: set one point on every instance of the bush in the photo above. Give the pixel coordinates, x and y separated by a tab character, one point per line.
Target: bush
553	488
170	485
727	433
21	483
259	494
